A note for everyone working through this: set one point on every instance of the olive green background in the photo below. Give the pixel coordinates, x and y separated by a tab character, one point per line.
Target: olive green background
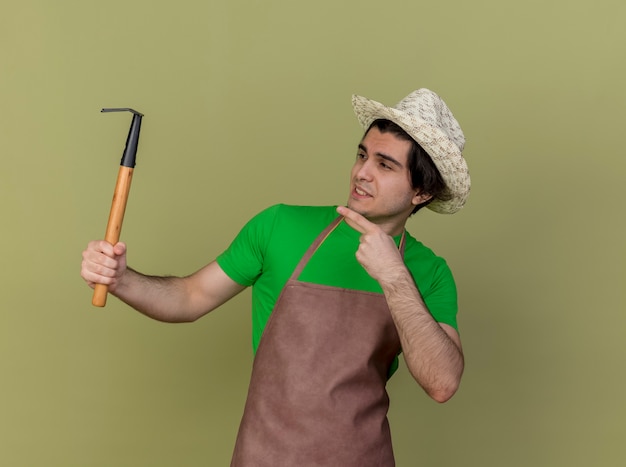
247	104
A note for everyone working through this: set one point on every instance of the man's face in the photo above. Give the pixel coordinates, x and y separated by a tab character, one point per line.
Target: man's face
380	186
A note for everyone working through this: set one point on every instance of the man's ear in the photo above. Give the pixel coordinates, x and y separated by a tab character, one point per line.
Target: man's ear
421	197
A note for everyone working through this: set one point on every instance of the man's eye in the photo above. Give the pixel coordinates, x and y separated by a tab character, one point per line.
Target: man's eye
360	155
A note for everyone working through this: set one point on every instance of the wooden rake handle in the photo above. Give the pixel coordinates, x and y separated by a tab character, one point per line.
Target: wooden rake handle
114	225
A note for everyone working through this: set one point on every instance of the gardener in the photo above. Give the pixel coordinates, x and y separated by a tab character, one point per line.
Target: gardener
338	293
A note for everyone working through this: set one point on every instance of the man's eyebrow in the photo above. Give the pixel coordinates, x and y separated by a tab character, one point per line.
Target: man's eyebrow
383	156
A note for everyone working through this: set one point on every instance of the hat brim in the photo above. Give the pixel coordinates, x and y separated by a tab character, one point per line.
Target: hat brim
444	153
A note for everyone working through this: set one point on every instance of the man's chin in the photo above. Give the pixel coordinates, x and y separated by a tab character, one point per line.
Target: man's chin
360	210
356	208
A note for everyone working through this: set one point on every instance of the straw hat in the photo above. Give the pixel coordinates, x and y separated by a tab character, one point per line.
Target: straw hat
428	120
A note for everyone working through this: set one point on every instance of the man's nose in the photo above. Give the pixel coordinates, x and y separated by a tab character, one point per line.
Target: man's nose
365	171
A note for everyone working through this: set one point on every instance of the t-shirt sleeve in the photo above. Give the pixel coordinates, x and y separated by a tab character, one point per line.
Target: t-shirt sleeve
441	299
242	261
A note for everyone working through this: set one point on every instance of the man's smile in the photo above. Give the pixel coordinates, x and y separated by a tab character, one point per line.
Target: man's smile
361	192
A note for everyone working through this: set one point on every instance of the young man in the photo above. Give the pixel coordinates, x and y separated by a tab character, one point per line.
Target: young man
338	293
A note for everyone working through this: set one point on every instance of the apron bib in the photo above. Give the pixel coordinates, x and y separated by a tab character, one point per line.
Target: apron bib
317	392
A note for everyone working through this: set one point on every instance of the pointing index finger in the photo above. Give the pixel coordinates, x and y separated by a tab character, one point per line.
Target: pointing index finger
356	220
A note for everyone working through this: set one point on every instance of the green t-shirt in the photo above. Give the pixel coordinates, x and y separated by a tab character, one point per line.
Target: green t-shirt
268	248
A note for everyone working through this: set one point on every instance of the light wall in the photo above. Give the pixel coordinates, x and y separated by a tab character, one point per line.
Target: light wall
248	104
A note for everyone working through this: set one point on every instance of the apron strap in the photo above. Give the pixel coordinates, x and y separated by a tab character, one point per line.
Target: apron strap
314	246
402	243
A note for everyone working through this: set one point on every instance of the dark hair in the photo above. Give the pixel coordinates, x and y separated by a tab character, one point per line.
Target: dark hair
422	169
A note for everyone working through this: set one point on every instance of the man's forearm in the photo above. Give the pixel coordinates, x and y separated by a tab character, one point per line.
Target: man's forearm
161	298
434	359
